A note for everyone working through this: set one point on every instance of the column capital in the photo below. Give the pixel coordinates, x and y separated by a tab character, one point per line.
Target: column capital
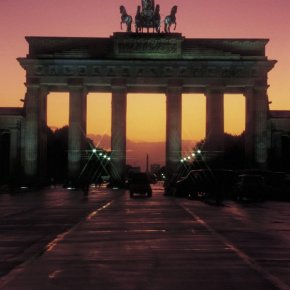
119	89
248	90
174	86
44	89
252	89
37	88
119	85
174	90
77	84
32	83
78	90
262	89
214	90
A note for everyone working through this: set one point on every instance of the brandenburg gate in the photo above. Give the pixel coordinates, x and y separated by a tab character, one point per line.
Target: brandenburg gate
144	63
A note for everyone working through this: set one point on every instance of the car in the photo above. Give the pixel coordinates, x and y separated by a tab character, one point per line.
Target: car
278	186
139	183
250	187
206	184
189	185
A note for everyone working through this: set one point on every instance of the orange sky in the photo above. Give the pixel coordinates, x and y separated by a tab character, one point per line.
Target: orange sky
96	18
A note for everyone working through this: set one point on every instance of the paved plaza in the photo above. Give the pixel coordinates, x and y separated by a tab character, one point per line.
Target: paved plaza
63	240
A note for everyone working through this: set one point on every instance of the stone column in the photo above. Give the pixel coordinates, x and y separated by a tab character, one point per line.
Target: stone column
35	132
14	153
118	141
173	128
256	127
42	133
276	149
249	128
77	129
31	132
214	121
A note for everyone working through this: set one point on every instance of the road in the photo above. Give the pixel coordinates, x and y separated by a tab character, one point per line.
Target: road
62	240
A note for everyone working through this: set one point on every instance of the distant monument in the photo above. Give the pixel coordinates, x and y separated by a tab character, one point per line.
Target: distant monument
148	16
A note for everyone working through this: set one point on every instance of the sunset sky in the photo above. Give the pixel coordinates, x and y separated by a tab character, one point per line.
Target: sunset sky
97	18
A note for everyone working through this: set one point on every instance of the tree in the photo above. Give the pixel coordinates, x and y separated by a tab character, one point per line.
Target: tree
233	156
57	148
94	164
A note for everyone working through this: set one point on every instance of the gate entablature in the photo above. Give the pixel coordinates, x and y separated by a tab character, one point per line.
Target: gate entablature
151	59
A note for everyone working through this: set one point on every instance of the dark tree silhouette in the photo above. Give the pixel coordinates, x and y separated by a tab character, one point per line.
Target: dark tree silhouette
233	156
57	147
93	165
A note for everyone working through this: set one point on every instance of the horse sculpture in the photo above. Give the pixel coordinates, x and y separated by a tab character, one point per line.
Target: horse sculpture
170	19
125	18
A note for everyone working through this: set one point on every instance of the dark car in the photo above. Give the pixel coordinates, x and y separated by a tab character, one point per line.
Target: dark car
250	187
139	183
189	185
278	186
206	184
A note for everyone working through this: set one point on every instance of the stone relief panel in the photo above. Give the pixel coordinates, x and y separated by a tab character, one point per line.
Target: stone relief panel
147	46
156	46
68	70
190	71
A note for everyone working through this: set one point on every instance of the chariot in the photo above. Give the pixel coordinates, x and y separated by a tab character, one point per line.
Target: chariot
148	16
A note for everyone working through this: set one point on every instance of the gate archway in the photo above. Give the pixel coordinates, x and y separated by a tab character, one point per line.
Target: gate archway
145	63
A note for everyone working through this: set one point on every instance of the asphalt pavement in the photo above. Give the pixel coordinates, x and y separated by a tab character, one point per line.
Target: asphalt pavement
59	239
